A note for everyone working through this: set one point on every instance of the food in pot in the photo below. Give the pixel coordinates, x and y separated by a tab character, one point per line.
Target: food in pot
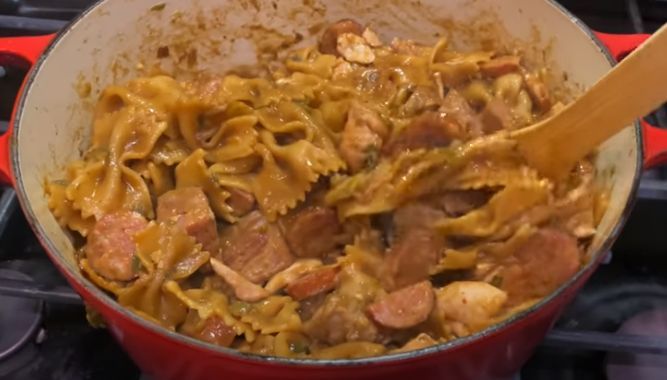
360	199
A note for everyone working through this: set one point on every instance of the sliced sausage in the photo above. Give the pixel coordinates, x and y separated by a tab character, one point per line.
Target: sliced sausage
496	116
457	107
243	288
543	263
410	258
428	130
362	138
416	215
110	247
188	207
329	39
465	307
314	283
539	93
312	232
500	66
216	331
255	248
241	201
460	202
404	308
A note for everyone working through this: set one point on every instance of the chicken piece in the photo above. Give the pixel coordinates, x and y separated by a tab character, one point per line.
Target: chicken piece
329	39
543	263
295	271
538	92
371	38
404	308
243	288
255	248
500	66
188	207
342	317
496	116
428	130
465	307
460	202
457	107
110	248
314	283
362	137
355	49
312	231
241	201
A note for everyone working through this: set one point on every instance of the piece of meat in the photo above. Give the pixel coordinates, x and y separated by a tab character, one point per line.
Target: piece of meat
255	248
460	202
243	288
496	116
456	106
312	231
329	39
354	48
465	307
241	201
188	207
216	331
404	308
292	273
410	257
500	66
539	93
110	248
543	263
320	281
342	317
362	138
309	306
429	130
414	215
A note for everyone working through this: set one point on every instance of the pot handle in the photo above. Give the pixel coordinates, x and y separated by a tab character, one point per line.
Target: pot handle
654	138
22	52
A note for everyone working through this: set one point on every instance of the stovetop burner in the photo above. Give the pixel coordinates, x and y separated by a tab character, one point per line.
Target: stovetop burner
624	365
19	317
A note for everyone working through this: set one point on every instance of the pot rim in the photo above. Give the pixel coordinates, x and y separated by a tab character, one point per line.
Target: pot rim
110	303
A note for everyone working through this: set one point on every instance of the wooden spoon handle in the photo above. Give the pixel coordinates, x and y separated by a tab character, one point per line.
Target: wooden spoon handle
630	90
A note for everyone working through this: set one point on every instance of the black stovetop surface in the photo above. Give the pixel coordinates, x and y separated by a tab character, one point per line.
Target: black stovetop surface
65	346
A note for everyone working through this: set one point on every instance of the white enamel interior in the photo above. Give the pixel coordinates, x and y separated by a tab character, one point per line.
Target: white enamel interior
54	122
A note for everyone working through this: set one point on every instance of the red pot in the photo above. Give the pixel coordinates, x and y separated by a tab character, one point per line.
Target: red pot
50	126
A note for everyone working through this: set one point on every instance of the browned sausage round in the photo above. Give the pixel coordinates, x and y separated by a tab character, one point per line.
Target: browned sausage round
312	232
500	66
111	246
215	331
314	283
329	39
405	307
544	262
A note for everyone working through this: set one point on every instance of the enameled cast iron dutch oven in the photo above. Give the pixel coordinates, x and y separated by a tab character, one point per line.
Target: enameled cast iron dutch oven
113	39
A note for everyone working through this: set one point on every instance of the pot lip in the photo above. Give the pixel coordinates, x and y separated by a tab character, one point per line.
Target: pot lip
110	303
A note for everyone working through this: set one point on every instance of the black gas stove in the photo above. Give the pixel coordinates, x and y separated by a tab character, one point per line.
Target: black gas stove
615	329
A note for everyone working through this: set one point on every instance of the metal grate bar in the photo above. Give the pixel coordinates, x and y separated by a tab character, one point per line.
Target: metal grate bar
604	341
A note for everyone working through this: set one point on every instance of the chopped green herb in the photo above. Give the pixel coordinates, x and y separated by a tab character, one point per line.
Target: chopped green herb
372	156
299	348
497	281
136	264
158	7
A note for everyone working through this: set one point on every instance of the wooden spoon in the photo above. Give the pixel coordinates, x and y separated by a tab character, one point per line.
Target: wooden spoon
632	89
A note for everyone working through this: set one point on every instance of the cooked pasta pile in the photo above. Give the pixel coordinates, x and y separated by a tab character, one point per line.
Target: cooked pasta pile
361	198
